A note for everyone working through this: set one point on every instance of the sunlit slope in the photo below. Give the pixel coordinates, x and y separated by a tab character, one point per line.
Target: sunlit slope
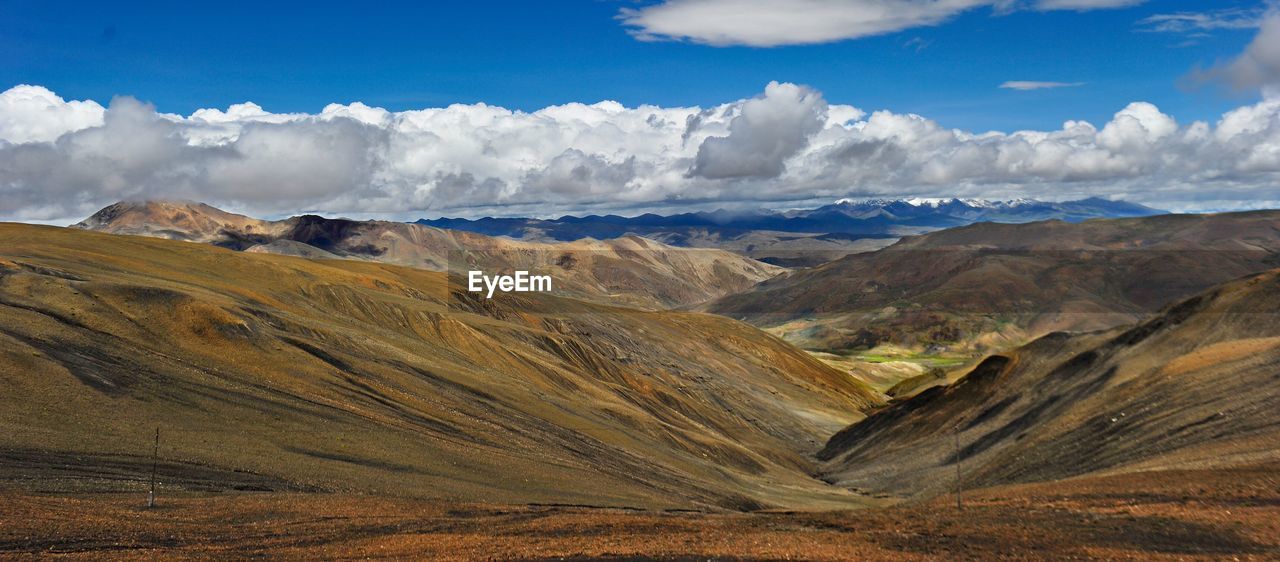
266	371
628	270
1196	387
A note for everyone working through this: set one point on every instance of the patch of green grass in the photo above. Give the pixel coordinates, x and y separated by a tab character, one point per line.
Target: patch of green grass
945	361
876	358
922	359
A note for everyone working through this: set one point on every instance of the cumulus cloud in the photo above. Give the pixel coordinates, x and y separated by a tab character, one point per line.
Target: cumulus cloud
134	152
770	23
767	131
1035	85
34	114
61	160
1258	66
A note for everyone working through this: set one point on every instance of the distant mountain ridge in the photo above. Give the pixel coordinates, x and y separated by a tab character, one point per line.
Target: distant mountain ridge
803	237
979	210
867	217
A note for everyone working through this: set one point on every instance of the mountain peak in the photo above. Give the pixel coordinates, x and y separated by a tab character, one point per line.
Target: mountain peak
936	202
191	219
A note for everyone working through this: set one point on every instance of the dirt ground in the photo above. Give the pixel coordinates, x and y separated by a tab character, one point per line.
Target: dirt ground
1228	514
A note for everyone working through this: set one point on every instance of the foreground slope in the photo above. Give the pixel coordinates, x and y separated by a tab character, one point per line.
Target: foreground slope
988	285
628	270
1196	387
281	373
1172	515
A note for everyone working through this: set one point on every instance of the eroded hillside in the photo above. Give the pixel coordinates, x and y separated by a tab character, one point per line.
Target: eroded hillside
1196	387
275	372
989	286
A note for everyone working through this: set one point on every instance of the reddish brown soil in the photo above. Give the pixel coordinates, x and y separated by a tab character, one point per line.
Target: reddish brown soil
1167	515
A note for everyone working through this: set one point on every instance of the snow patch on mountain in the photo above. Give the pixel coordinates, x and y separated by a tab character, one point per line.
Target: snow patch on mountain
936	202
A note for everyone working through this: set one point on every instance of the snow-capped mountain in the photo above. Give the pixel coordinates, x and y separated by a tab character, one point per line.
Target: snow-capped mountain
1009	210
850	217
944	212
936	202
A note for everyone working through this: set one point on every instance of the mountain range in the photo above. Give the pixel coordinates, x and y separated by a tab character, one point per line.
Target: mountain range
365	397
800	237
268	372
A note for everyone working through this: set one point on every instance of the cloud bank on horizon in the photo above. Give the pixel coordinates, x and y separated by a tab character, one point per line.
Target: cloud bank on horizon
64	159
61	160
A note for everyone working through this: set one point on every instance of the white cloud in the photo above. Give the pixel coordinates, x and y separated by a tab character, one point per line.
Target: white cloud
1085	4
767	131
770	23
1258	66
785	22
1135	128
34	114
1200	22
784	146
1035	85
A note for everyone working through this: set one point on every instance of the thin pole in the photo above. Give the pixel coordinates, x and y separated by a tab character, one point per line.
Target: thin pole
155	455
959	506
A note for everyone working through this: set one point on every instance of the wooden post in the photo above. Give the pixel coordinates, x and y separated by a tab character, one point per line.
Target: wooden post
959	505
155	455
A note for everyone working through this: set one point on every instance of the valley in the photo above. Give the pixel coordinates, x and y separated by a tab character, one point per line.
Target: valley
281	373
296	382
621	281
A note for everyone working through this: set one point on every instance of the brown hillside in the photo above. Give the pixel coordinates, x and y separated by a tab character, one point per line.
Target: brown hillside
975	285
1196	387
629	271
281	373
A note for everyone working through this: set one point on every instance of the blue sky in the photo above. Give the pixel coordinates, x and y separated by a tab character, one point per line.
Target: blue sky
405	110
299	57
